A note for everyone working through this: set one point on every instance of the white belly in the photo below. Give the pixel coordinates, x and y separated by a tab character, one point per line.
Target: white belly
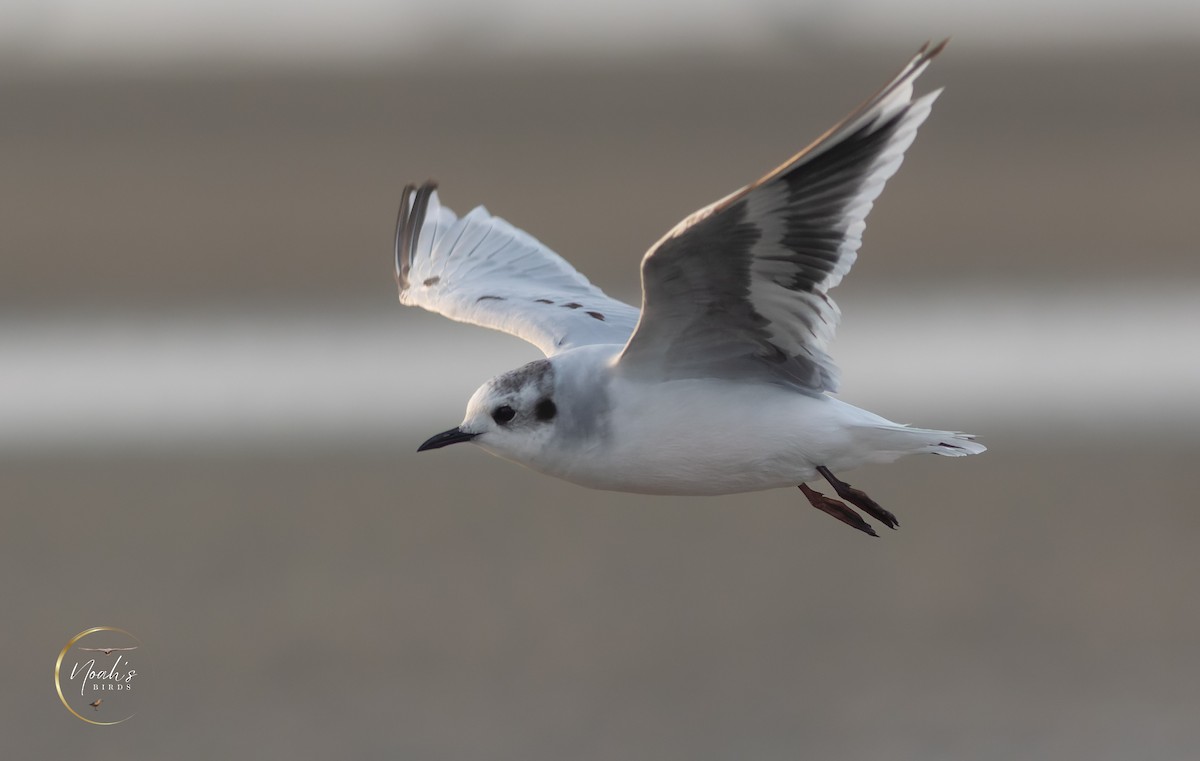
714	437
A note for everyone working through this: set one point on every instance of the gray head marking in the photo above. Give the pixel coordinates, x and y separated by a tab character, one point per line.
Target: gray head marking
517	403
538	374
538	408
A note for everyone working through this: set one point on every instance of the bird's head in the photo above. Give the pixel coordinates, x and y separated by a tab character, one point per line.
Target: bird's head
512	415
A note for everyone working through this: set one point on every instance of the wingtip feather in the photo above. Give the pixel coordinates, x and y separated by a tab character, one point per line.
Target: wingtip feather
414	204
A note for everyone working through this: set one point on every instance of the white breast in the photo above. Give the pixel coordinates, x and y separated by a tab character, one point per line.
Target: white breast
708	437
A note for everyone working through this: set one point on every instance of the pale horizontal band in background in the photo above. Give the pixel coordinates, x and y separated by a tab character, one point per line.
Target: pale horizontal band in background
1043	363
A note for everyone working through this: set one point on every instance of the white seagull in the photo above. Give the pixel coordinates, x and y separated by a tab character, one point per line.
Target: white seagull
721	383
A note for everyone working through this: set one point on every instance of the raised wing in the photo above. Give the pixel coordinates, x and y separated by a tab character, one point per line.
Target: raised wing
740	287
481	270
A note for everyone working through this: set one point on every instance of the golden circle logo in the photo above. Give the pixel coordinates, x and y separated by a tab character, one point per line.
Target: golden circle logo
96	675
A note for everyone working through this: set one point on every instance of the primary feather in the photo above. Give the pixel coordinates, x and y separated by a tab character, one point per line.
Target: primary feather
481	270
740	288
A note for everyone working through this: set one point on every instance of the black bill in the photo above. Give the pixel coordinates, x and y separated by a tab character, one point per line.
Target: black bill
446	438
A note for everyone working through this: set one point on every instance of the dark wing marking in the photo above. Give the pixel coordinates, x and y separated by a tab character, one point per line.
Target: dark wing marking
481	270
740	287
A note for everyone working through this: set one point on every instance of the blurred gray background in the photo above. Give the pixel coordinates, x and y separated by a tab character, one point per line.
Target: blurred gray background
210	401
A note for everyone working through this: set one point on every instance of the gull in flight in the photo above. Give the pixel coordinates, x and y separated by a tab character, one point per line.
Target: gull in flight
721	382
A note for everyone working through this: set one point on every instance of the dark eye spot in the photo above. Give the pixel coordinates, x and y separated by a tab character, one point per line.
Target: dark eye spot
545	410
503	414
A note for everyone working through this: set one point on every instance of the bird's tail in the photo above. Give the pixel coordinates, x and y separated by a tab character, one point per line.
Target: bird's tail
903	439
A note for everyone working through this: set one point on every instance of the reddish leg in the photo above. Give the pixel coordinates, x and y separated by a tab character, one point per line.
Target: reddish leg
837	509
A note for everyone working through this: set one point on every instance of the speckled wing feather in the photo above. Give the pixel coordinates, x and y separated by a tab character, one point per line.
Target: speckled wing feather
740	288
481	270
